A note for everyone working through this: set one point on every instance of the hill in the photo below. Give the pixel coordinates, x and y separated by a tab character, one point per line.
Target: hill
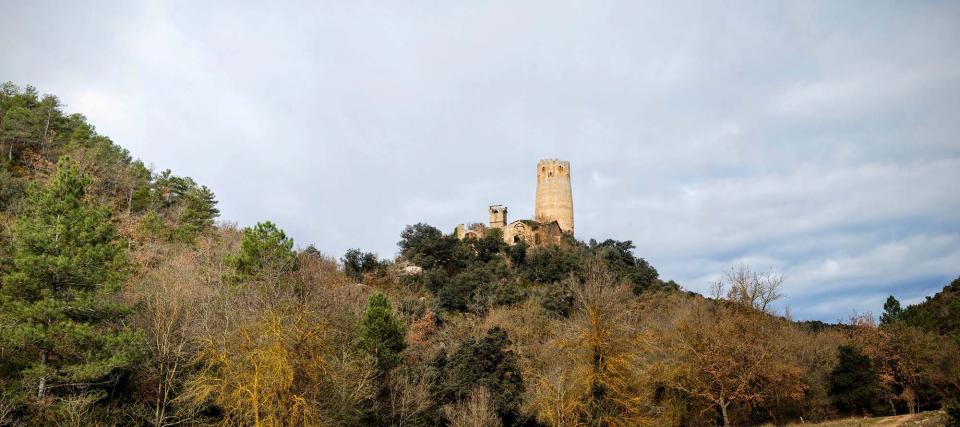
123	302
939	313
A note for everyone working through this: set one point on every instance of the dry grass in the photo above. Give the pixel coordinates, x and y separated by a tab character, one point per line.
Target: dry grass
926	419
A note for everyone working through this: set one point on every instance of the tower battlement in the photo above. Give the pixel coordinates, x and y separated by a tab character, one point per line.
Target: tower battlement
548	168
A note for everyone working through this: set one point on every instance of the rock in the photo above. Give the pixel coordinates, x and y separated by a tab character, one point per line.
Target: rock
412	270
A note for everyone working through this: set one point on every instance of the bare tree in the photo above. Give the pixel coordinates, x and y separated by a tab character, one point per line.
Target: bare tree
409	394
171	298
475	411
727	356
558	392
73	411
744	286
7	408
592	371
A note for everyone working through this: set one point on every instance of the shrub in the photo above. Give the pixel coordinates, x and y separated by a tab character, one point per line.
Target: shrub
487	363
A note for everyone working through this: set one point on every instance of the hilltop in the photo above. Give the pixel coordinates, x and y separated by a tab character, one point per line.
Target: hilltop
939	314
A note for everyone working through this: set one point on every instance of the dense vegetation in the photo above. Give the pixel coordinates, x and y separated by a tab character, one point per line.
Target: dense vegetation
122	302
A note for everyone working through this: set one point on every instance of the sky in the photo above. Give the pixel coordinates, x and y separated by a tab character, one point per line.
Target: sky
818	140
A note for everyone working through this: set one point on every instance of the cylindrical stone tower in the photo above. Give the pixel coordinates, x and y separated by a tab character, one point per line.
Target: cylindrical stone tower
554	195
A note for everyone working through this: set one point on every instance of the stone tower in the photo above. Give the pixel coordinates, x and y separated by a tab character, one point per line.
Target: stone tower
554	195
498	216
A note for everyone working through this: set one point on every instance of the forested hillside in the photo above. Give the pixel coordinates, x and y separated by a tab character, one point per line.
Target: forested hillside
939	314
123	302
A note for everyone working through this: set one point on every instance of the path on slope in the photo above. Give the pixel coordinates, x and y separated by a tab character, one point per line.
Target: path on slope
929	418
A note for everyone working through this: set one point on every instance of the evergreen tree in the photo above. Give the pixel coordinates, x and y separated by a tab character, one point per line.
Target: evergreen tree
939	313
625	266
490	246
457	293
356	263
487	363
853	383
381	333
16	128
428	247
264	247
199	213
518	254
313	252
559	298
549	264
56	309
891	311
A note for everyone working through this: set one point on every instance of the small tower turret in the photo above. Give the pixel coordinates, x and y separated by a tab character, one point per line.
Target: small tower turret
498	216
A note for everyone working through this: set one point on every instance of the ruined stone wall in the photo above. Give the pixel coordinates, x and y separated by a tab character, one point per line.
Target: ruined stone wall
554	195
532	233
470	231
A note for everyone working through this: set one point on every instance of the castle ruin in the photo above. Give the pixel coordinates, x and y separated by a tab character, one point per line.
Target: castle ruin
553	211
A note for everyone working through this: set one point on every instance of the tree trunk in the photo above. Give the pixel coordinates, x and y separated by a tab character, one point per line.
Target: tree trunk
43	142
42	388
158	409
723	410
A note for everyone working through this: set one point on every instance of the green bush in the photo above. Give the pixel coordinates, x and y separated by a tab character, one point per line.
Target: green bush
356	263
428	247
488	363
558	298
548	264
381	333
625	266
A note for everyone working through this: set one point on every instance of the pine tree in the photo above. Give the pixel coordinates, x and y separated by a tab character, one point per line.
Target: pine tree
853	382
891	311
55	302
199	213
15	129
263	248
381	333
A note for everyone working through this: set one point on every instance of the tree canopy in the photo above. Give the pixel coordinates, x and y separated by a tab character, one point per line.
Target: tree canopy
56	310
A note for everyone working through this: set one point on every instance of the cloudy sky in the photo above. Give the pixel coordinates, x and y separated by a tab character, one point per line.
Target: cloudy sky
819	139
